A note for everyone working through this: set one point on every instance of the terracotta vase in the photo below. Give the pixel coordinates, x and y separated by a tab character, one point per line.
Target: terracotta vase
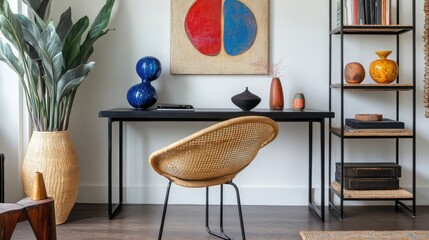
354	73
53	155
276	95
383	70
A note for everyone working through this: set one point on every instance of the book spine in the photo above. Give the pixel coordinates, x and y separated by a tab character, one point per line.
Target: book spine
355	10
367	11
373	172
349	13
361	10
388	12
377	12
372	12
383	12
339	11
371	183
373	125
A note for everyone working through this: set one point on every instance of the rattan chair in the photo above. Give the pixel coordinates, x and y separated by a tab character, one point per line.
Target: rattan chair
213	156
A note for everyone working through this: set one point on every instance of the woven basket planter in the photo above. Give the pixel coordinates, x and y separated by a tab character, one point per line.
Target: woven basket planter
53	154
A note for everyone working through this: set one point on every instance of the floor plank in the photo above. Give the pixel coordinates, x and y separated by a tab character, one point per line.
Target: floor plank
89	221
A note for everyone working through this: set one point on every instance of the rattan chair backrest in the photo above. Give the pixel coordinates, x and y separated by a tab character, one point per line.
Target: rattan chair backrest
214	155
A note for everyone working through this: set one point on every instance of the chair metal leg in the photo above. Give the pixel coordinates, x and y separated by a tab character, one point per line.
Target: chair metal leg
164	212
223	235
240	213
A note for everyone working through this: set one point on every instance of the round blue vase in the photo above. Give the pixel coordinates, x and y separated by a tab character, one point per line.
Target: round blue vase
143	95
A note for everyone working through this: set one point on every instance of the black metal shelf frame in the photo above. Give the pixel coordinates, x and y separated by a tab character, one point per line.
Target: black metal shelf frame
393	30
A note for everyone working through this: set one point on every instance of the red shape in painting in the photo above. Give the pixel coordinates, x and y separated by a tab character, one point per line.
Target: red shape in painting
203	26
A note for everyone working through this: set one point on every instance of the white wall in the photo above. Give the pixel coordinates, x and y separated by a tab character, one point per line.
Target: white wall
299	36
10	122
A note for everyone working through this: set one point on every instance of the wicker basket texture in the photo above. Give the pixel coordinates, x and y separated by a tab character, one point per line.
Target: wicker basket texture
214	155
53	154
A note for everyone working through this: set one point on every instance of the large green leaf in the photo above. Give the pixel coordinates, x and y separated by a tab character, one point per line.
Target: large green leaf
96	31
10	26
102	20
50	51
72	79
65	24
7	56
72	44
41	7
30	30
38	20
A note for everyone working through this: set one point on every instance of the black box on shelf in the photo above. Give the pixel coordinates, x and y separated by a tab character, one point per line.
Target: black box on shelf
369	170
385	123
370	183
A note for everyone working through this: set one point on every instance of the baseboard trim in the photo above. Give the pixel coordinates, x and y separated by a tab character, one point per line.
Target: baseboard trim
250	195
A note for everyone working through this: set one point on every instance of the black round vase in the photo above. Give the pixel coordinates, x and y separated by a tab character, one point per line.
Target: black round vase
246	100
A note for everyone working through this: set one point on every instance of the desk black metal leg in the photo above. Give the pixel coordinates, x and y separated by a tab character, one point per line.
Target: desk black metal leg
121	158
322	168
319	211
112	212
310	162
109	169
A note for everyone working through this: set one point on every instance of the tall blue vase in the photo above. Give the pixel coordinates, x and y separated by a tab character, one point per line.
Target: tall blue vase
143	95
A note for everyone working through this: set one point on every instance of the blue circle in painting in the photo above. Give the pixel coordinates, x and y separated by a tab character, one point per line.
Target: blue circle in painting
148	68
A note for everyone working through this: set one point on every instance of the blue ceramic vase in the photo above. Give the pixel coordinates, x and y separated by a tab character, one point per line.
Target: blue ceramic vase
143	95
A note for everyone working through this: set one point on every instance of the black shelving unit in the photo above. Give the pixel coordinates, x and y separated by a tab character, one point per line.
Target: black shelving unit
397	30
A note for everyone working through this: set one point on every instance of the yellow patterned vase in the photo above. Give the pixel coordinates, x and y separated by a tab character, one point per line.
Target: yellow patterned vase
383	70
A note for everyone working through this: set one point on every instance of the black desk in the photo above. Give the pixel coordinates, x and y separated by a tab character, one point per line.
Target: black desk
122	115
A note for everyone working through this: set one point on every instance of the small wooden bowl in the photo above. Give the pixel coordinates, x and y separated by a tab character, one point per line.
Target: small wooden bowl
369	117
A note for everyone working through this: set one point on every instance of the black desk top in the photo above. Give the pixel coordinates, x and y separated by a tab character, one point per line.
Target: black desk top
212	114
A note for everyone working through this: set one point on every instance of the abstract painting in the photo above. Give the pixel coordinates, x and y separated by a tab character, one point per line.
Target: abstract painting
219	36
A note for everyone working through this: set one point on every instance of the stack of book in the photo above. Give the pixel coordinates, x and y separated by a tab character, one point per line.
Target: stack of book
369	176
365	12
383	125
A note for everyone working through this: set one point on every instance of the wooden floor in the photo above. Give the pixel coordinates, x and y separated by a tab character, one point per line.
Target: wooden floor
89	221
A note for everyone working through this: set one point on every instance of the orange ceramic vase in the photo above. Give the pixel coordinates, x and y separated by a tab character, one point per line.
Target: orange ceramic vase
383	70
276	95
298	103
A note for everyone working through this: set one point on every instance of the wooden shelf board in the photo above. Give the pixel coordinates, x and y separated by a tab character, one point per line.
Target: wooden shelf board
375	87
374	133
373	29
372	194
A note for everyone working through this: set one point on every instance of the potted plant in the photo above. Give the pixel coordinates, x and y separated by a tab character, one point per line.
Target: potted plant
51	62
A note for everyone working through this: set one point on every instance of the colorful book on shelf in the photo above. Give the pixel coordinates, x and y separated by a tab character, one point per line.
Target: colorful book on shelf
361	12
383	12
383	124
355	10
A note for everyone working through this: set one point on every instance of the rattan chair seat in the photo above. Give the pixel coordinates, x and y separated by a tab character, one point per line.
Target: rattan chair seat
214	155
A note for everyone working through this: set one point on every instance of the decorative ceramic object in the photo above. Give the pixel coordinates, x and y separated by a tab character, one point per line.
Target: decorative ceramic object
143	95
39	189
354	73
369	117
298	103
246	100
53	154
276	95
383	70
